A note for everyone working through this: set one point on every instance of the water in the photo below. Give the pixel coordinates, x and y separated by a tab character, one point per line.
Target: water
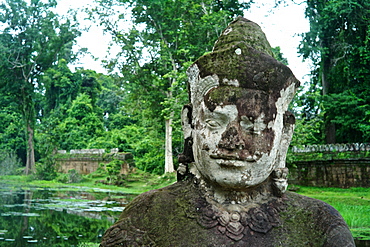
62	217
57	217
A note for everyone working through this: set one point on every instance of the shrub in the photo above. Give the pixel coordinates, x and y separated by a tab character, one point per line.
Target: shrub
71	177
113	169
74	176
9	163
45	169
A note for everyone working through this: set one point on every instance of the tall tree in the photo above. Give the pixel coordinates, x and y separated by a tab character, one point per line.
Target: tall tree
71	116
339	45
166	36
32	38
11	134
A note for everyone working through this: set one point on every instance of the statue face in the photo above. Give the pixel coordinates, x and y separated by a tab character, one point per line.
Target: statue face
235	137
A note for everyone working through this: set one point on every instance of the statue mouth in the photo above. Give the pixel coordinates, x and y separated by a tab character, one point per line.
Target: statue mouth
234	157
230	163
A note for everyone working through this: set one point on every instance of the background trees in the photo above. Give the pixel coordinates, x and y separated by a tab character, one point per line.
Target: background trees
165	38
338	44
44	106
32	39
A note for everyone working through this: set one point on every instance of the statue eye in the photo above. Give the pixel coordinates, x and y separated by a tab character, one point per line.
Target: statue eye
212	124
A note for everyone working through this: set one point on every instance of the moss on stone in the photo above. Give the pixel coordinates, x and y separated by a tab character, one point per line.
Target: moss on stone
246	31
171	217
299	227
225	94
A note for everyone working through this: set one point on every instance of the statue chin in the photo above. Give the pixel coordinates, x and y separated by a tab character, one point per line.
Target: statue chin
230	181
231	177
231	174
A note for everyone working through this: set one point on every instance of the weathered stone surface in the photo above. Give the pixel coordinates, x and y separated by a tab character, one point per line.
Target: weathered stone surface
340	173
87	151
179	215
87	162
232	177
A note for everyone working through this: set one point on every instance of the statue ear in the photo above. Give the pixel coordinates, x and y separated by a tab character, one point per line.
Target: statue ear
289	124
186	118
280	173
186	156
288	129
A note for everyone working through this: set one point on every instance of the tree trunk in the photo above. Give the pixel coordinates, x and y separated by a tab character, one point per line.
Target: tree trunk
30	164
168	167
329	127
330	133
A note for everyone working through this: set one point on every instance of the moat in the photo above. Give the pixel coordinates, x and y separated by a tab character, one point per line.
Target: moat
70	216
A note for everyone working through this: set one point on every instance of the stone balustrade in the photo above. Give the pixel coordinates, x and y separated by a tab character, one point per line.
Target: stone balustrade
338	147
87	151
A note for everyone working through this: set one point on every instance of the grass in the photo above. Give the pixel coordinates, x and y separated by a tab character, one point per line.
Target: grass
353	204
135	183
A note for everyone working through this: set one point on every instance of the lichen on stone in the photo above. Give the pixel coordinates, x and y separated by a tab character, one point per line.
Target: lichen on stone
246	31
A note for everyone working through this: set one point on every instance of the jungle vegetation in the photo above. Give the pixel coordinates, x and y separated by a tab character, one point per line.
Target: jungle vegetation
45	106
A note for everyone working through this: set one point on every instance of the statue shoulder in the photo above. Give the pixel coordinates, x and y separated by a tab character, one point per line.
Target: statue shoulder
153	198
150	218
316	215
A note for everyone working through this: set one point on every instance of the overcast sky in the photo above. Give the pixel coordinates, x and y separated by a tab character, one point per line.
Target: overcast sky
281	26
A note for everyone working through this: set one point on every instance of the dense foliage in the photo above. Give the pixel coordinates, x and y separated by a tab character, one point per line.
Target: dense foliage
165	38
338	43
32	39
44	106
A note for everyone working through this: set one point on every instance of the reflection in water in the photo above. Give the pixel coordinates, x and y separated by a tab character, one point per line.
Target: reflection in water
42	217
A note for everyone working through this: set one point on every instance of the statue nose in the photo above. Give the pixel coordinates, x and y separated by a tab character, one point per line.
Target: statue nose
231	139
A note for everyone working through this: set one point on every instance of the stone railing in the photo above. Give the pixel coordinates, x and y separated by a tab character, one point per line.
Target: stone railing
345	147
87	151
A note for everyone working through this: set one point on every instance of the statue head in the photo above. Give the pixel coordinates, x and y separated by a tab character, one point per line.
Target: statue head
237	128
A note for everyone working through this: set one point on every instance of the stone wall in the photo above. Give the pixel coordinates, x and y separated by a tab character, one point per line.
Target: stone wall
86	161
337	147
343	173
331	165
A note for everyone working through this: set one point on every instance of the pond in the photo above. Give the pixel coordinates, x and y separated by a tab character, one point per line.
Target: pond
63	217
71	216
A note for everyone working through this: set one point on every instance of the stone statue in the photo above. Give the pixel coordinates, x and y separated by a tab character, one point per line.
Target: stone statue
232	177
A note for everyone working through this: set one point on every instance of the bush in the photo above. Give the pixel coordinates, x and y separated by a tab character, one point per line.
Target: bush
45	169
9	163
71	177
62	178
113	169
74	176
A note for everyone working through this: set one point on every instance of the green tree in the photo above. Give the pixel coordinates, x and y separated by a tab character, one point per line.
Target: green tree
32	39
338	44
61	87
166	37
12	139
80	110
82	124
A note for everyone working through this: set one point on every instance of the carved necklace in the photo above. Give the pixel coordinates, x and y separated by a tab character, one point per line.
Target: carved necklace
235	221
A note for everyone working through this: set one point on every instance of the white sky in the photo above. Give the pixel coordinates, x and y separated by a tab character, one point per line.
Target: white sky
281	26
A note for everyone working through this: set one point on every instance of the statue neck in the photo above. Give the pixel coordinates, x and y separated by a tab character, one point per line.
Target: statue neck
258	194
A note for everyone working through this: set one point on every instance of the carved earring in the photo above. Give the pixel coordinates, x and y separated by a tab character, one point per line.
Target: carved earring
280	180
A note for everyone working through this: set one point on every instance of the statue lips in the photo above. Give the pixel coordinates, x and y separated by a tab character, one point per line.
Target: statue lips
226	160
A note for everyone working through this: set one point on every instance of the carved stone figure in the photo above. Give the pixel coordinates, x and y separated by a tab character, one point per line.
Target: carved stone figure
232	176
